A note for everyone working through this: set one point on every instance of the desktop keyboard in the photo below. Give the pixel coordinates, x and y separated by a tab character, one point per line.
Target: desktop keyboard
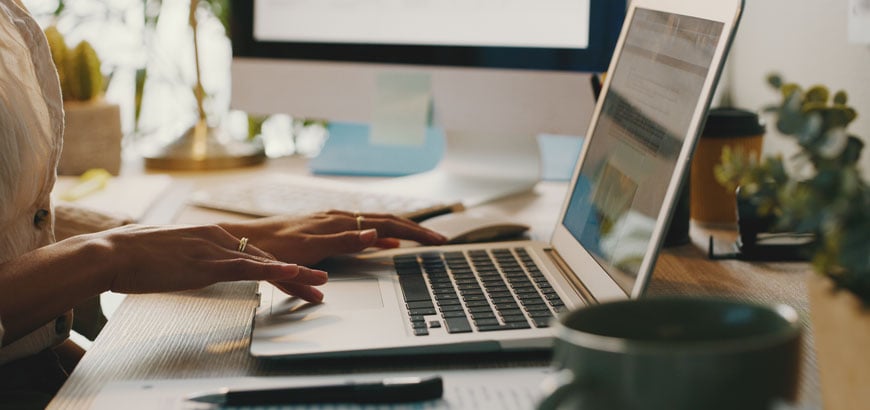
498	289
281	194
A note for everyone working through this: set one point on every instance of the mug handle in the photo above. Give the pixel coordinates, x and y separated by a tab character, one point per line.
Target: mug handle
560	385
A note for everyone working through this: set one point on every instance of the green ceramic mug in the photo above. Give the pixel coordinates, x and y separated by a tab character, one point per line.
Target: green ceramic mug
675	353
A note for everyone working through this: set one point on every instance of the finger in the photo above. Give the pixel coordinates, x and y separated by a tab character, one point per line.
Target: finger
371	216
308	276
393	228
305	292
226	240
344	242
365	214
251	250
388	243
252	269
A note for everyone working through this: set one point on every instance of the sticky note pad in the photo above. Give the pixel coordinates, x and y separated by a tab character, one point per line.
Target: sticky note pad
401	112
348	151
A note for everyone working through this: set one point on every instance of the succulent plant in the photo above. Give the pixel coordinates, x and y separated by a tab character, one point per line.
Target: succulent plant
824	194
78	68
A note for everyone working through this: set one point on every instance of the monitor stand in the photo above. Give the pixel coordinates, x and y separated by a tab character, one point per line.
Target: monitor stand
476	168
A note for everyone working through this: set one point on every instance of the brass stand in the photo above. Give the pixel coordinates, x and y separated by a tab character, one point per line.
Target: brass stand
202	148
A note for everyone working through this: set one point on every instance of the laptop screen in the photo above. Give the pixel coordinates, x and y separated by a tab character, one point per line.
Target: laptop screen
633	149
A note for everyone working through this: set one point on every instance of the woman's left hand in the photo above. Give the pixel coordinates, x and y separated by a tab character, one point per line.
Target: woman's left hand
309	239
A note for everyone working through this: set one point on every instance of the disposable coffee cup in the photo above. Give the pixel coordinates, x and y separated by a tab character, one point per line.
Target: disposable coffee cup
673	354
712	204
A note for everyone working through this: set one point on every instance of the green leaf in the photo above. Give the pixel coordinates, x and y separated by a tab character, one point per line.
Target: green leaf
774	80
817	93
852	152
790	117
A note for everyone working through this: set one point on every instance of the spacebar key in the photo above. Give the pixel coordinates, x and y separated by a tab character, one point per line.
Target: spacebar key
457	325
414	288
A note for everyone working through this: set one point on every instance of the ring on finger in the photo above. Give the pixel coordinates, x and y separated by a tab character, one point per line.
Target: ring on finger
359	221
243	243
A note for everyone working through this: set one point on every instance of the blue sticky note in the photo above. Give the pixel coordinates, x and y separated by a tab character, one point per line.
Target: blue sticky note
348	150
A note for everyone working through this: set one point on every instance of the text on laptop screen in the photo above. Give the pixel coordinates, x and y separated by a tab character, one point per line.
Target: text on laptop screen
645	117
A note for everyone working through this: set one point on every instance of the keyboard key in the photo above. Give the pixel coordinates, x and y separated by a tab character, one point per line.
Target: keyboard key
423	304
514	319
490	328
483	315
414	288
451	308
486	322
510	312
538	309
423	312
457	325
455	313
478	303
448	302
517	325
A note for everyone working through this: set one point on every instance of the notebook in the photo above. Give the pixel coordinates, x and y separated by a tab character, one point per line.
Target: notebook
502	296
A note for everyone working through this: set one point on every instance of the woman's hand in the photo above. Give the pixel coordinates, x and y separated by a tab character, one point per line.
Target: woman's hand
161	259
310	239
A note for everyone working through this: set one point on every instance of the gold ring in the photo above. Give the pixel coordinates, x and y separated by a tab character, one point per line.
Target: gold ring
243	243
359	221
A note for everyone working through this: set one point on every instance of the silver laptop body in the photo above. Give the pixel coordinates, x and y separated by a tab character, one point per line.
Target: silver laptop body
651	110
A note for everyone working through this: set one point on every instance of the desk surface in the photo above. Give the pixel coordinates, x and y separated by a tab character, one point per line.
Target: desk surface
205	333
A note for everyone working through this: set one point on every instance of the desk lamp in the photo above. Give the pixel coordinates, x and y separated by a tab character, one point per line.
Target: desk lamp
203	147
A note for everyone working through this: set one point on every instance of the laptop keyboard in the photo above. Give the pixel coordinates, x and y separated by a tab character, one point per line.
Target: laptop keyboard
476	290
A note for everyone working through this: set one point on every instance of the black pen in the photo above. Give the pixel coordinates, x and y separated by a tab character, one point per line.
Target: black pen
393	390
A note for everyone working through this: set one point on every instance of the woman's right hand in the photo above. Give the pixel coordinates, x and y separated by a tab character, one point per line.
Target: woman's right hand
174	258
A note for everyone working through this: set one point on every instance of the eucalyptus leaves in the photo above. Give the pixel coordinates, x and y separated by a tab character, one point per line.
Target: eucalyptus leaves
824	193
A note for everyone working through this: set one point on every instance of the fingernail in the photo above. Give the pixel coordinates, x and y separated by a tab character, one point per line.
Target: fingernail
368	235
321	273
318	294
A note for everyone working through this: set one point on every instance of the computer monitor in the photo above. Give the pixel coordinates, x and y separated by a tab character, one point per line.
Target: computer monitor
496	67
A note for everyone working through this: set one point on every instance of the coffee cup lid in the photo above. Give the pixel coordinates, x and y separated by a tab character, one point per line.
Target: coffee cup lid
732	122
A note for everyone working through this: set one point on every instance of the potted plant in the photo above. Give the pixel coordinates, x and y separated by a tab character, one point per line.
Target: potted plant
92	126
823	194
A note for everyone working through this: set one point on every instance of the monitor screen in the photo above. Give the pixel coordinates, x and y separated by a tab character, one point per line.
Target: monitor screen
574	35
516	66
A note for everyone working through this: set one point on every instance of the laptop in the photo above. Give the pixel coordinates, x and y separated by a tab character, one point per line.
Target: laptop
502	296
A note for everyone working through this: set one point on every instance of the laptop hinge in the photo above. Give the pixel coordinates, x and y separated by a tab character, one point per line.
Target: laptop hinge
568	274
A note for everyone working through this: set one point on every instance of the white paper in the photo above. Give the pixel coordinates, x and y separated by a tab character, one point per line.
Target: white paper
859	21
131	196
508	389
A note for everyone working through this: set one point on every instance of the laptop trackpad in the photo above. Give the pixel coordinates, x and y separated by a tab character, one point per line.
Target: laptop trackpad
338	295
352	294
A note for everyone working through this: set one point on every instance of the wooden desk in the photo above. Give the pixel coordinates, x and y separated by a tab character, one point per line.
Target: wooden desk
205	333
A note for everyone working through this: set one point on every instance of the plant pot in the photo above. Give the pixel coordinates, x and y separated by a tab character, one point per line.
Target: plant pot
91	138
841	327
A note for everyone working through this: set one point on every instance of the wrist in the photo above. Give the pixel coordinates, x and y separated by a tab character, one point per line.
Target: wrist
96	260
